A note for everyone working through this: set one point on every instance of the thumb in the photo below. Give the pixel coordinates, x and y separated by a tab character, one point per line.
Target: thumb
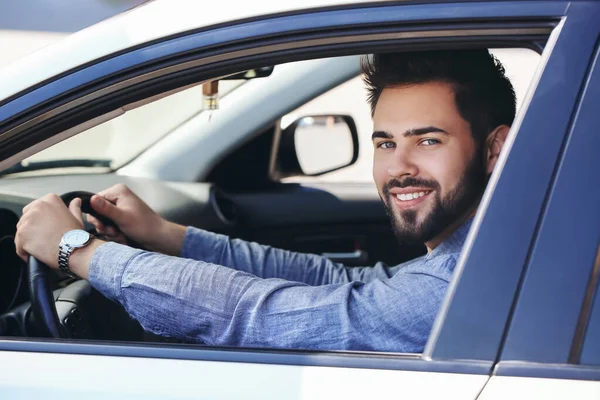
105	208
75	208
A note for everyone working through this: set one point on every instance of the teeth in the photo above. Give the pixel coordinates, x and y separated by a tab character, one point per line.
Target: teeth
410	196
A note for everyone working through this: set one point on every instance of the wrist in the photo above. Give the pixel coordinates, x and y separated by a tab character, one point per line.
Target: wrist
79	261
168	239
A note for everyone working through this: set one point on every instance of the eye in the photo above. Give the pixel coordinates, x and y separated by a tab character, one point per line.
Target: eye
385	145
429	142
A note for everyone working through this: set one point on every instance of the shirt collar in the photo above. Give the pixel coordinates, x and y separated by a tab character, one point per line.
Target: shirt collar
454	243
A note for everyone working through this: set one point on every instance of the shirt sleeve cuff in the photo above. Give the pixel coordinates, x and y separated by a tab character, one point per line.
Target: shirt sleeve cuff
107	266
202	245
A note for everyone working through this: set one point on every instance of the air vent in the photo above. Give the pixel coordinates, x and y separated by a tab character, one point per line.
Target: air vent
224	207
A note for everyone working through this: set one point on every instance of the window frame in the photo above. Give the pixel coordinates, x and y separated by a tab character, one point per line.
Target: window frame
555	298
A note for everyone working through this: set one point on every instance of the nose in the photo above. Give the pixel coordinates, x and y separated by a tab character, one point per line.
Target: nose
403	164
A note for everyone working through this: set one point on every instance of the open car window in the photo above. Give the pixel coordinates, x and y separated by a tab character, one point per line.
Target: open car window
127	135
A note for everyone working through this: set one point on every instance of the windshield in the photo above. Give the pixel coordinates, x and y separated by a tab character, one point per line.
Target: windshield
121	139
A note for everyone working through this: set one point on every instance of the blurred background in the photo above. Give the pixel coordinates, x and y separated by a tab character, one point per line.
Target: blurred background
27	25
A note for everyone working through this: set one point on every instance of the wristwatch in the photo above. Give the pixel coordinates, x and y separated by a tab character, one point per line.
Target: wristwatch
71	241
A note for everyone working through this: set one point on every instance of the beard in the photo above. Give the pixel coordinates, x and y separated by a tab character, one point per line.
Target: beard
444	212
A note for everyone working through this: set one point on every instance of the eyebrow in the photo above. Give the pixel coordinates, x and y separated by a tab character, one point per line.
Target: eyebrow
381	134
409	133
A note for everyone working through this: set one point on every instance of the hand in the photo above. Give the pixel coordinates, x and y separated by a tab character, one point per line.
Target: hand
42	225
135	220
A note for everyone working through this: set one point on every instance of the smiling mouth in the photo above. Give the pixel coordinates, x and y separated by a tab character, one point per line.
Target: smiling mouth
409	200
412	196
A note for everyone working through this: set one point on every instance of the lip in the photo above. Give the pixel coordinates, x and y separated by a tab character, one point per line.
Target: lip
403	205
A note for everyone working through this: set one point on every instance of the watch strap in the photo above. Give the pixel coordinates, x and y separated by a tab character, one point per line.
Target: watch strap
64	252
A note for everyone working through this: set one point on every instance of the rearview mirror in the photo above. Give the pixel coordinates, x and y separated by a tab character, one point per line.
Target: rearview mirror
315	145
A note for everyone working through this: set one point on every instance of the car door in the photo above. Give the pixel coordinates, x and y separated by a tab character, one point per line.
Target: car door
469	331
552	345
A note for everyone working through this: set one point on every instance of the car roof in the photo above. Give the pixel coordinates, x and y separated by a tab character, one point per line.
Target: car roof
142	24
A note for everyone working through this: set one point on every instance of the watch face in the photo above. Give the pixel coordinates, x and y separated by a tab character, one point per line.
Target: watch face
76	238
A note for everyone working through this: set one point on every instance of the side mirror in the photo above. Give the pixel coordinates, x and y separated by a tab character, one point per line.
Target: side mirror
315	145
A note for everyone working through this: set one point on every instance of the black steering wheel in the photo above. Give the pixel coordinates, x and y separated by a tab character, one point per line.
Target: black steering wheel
61	316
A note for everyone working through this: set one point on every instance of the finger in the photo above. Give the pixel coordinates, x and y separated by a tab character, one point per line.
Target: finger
75	208
21	221
108	196
113	193
117	238
22	255
28	207
53	198
20	252
105	208
113	237
96	222
111	231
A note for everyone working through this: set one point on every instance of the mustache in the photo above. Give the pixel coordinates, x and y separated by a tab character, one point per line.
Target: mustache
409	181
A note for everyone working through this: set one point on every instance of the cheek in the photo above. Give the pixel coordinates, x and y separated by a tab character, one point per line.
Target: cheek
380	173
447	169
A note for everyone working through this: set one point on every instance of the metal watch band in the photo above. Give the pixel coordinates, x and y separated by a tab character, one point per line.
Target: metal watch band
64	252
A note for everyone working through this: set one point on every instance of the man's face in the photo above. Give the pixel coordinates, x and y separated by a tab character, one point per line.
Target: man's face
426	166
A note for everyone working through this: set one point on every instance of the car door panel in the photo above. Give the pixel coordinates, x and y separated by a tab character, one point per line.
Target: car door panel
555	318
548	318
213	375
509	387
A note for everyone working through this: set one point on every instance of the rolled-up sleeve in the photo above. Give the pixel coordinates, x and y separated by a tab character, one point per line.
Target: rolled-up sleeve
205	302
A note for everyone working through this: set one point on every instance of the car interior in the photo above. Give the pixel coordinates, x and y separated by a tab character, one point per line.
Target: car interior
284	187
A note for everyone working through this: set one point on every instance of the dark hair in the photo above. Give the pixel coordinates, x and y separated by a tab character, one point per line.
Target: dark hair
484	96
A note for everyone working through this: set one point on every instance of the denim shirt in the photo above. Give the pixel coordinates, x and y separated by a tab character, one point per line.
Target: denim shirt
231	292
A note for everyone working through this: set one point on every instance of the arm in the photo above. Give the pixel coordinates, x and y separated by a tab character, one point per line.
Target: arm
218	305
137	221
221	306
268	262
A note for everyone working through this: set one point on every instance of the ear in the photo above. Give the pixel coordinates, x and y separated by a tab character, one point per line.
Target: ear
493	145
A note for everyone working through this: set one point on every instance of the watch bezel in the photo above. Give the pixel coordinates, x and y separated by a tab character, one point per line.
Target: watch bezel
70	238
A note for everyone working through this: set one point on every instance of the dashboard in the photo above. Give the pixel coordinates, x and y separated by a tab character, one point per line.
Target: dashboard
199	204
13	284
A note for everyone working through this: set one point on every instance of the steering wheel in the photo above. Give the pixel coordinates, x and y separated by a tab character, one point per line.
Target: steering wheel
61	317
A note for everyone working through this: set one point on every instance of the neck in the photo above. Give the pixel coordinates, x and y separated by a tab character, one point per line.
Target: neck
435	242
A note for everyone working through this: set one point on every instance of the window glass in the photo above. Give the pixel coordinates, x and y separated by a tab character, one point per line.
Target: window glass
122	138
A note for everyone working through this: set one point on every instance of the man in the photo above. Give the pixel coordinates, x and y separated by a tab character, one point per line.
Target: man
440	121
